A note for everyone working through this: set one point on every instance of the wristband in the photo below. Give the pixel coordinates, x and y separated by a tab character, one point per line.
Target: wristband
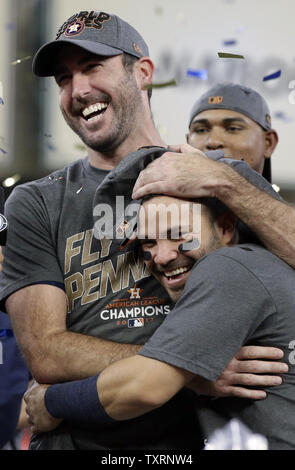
77	401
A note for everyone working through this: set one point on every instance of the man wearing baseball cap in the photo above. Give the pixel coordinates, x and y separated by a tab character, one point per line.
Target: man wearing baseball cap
69	295
96	32
237	120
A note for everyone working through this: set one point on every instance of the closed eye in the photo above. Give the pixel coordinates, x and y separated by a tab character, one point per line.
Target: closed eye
234	128
200	130
146	244
91	66
61	79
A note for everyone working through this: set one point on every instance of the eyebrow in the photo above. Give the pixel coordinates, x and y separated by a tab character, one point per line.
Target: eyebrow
224	121
63	68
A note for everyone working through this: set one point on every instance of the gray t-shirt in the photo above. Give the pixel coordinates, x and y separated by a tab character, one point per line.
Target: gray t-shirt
110	295
234	297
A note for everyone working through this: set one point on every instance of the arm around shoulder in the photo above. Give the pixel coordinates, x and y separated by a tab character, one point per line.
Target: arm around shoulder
272	220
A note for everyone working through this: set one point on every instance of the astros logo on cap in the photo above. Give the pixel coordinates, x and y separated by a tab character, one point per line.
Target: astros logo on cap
215	99
74	28
137	48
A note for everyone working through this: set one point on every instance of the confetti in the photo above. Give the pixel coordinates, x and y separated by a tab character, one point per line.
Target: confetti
79	190
48	135
281	115
276	188
19	61
230	42
3	151
272	76
161	85
79	146
225	55
202	74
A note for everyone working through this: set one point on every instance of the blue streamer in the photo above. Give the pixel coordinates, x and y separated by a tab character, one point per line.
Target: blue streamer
272	76
202	73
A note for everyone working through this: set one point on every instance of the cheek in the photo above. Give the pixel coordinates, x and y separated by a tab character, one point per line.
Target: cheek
197	141
250	150
65	97
247	144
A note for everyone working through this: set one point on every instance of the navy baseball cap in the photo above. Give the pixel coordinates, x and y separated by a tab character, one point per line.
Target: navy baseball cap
241	99
94	31
121	180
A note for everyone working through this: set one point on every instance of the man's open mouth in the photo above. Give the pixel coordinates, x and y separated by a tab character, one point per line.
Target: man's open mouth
93	111
176	272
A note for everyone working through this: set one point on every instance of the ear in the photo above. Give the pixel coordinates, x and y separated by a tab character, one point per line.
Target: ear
226	226
271	141
144	72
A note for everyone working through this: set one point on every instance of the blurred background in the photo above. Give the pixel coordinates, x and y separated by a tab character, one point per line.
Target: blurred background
182	36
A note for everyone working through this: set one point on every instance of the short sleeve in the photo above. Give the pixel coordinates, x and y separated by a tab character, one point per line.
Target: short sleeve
30	254
222	304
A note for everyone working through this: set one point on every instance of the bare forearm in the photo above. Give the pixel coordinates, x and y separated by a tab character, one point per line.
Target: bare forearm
136	385
73	356
271	220
53	353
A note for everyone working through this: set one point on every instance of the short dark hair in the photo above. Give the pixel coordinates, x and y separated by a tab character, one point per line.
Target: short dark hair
128	63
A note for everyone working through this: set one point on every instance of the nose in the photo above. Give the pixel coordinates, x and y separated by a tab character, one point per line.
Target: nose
80	86
165	252
215	139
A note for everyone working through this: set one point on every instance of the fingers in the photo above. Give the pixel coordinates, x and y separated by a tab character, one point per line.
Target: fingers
241	392
158	187
184	148
139	183
28	393
252	380
257	352
261	367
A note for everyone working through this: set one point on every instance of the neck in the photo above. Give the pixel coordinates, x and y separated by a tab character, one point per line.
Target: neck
147	135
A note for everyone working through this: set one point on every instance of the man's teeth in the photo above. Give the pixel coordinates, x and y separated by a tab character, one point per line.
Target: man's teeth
177	271
94	108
